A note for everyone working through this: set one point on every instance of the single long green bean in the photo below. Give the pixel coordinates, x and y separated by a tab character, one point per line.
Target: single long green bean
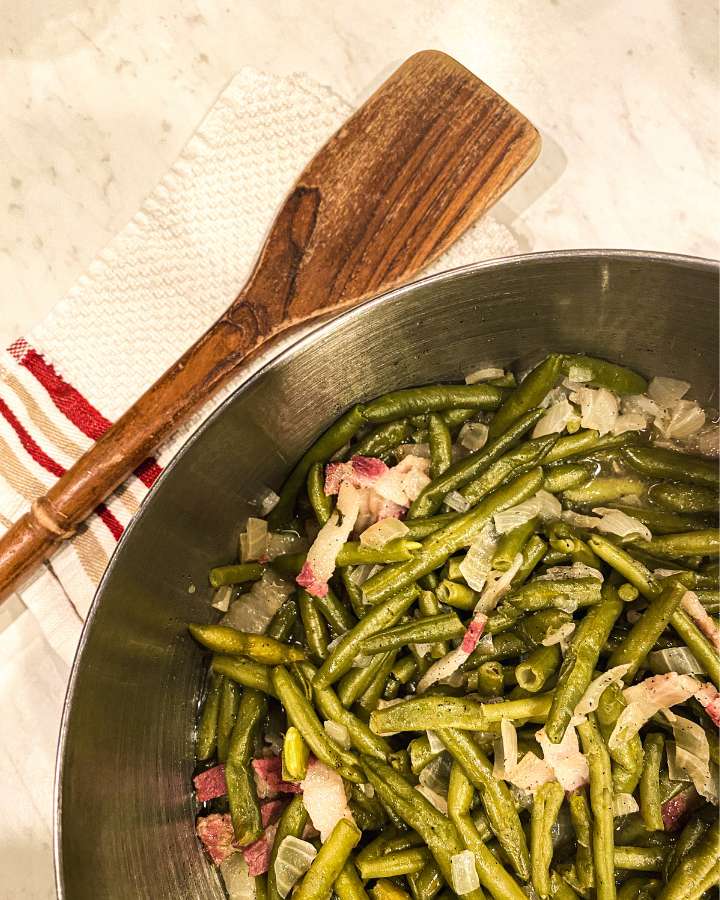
464	470
422	528
235	574
492	873
399	862
618	379
429	605
527	395
318	881
381	440
546	806
384	615
227	712
283	622
207	729
659	463
642	636
536	595
704	542
582	826
324	447
440	445
640	859
689	838
698	645
427	883
291	824
316	633
301	714
443	627
626	756
243	672
244	808
512	543
431	711
355	682
567	476
368	701
433	398
605	489
335	613
321	503
650	782
440	546
601	797
631	569
684	498
257	647
348	885
532	554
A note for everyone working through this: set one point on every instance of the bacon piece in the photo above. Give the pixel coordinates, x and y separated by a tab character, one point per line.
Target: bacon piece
257	854
700	616
270	811
210	784
473	633
361	471
312	584
710	700
216	835
322	555
268	778
676	810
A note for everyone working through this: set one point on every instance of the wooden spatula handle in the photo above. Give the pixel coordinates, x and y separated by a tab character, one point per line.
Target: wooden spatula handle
430	151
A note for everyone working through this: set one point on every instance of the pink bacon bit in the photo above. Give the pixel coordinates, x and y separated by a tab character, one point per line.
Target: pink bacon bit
257	854
675	811
268	778
270	811
210	784
473	633
307	579
710	700
700	616
361	471
216	835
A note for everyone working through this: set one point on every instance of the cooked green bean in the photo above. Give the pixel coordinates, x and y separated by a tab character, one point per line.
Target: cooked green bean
283	622
527	395
639	889
684	498
618	379
512	543
464	470
546	806
688	877
385	889
399	862
384	615
627	756
369	699
433	398
631	569
427	883
705	542
227	711
244	808
567	476
659	463
650	782
698	645
319	879
648	628
582	826
355	682
515	461
422	528
257	647
601	797
455	594
440	442
381	440
332	440
301	714
660	521
536	595
538	667
640	859
249	674
604	489
208	727
488	679
321	503
430	711
236	574
538	627
291	824
440	546
495	796
295	756
348	885
429	605
443	627
532	554
316	634
690	837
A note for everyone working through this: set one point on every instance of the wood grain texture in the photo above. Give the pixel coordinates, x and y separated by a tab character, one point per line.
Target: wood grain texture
429	152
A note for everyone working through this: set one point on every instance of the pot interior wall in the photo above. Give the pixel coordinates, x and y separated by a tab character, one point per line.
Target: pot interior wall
126	813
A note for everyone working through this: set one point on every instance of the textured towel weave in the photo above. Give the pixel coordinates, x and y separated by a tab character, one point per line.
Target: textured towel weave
148	296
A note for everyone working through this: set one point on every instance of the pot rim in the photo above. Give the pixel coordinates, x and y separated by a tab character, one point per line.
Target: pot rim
278	350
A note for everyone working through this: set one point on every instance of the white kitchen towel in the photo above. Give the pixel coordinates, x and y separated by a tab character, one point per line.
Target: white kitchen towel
148	296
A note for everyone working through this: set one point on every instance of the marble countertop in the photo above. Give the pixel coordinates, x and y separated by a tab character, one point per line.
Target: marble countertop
99	98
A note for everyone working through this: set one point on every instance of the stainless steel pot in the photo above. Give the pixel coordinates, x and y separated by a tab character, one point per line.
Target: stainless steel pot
124	824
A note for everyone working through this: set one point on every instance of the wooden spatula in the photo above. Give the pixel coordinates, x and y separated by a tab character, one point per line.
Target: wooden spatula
427	154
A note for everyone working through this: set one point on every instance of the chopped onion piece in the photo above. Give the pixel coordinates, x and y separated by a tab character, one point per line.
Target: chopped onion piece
280	542
238	883
624	805
598	408
320	562
639	404
256	539
265	501
543	504
487	374
221	598
463	874
508	736
560	636
436	774
692	753
434	742
685	418
629	422
576	570
579	520
403	483
530	773
565	759
293	859
647	698
439	802
591	698
324	798
383	532
253	611
667	390
455	501
421	450
477	563
555	395
367	789
555	419
338	733
496	586
675	772
614	521
700	616
579	374
473	435
361	573
674	659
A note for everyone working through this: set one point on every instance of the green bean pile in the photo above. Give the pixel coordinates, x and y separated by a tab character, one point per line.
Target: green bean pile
477	748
